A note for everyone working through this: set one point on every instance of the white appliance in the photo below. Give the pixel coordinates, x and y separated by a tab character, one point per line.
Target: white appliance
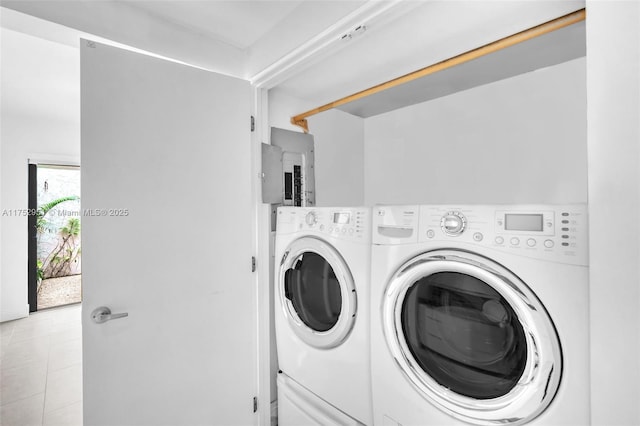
300	407
322	266
480	315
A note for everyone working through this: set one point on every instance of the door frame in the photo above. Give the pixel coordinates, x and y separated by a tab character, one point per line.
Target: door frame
263	276
32	206
32	233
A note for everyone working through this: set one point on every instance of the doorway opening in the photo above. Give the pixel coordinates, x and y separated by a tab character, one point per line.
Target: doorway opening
55	267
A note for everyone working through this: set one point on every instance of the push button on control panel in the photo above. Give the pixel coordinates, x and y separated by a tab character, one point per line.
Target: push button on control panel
531	242
430	233
548	243
515	241
499	240
478	236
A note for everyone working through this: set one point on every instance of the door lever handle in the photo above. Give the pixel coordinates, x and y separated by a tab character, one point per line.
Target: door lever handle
103	314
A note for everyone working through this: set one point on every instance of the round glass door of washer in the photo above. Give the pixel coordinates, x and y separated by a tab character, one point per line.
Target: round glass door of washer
472	338
317	292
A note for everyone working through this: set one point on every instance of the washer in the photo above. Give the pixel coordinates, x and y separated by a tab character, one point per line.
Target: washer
322	294
480	315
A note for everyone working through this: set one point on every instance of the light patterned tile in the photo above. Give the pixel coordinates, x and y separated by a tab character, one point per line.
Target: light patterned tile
32	331
5	338
66	335
41	369
65	354
64	387
18	354
22	382
68	315
71	415
7	327
24	412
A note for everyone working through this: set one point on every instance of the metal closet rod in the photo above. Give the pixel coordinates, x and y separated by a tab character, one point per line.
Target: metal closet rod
547	27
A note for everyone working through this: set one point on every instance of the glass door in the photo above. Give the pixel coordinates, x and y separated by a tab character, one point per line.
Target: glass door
317	292
472	337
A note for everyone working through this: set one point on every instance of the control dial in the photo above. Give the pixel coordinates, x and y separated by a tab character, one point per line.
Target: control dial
453	223
311	218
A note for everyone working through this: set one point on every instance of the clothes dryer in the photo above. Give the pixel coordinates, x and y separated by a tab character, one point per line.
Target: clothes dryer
480	315
322	271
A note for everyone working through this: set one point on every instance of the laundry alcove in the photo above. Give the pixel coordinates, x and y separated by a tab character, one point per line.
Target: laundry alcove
501	123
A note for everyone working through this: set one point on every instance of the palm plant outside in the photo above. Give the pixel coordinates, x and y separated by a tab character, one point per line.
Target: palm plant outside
41	221
58	262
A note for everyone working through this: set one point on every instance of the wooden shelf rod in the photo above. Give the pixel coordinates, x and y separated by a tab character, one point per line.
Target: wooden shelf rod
547	27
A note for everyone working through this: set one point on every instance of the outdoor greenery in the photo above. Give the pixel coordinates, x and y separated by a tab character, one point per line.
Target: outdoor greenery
41	222
59	261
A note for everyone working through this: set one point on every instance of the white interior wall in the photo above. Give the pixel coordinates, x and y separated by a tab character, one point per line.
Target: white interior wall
40	120
338	141
283	106
613	77
519	140
339	150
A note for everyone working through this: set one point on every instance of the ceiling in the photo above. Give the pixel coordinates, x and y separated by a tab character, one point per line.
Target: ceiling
239	23
239	37
428	34
243	38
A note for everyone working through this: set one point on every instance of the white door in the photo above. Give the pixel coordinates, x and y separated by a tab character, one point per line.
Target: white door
166	173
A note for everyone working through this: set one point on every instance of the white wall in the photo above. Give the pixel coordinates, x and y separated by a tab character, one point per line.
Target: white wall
40	120
519	140
283	106
613	78
339	150
338	140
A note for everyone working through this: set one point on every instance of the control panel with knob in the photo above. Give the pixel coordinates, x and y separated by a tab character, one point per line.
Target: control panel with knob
548	232
344	223
453	223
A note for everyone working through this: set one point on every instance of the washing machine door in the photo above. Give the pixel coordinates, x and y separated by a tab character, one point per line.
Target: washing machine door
317	292
472	338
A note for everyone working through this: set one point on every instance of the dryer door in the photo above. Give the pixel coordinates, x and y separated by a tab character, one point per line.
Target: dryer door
317	292
472	338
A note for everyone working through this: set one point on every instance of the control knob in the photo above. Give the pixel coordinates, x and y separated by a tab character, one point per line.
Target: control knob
311	218
453	223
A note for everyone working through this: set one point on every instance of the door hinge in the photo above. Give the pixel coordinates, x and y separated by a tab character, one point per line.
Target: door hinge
255	404
253	263
253	123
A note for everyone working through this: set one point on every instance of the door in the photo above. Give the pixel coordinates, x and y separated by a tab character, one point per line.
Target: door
167	239
472	338
55	247
317	292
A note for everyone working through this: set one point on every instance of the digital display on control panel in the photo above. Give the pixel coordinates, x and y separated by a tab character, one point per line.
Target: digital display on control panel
523	222
342	218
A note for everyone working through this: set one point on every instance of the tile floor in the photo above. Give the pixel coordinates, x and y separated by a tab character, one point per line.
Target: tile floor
41	369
